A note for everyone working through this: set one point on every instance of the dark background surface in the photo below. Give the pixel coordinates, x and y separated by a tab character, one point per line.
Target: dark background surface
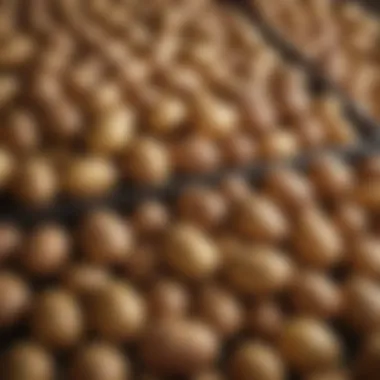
372	4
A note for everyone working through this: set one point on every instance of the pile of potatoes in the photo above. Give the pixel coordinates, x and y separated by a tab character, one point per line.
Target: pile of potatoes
98	94
234	281
340	37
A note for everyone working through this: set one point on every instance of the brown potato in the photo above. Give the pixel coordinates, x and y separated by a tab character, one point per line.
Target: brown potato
7	168
179	347
214	118
260	271
168	299
196	155
220	310
57	319
112	132
331	177
309	345
366	194
46	250
316	295
351	219
365	256
10	241
117	312
235	189
142	267
83	279
35	183
21	132
150	218
105	238
316	239
28	361
279	145
9	87
199	258
239	149
147	162
167	115
65	120
99	361
15	298
289	188
265	319
202	207
259	218
361	298
256	361
88	177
